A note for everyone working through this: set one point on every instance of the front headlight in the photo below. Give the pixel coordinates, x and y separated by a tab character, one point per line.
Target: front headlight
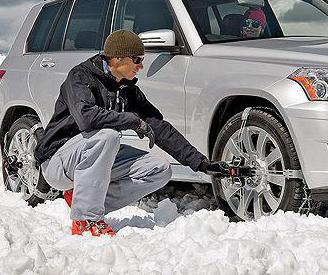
314	82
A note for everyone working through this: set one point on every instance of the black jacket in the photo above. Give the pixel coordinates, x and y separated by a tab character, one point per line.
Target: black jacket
89	100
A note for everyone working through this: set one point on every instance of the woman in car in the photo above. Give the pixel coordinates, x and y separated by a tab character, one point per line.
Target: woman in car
254	24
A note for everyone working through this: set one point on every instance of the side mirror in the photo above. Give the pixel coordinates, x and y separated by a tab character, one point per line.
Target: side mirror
158	39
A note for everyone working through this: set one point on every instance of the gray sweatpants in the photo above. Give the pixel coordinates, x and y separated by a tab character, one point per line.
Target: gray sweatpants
105	174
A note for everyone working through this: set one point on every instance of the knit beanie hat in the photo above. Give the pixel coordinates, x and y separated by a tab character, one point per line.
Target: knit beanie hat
123	43
256	14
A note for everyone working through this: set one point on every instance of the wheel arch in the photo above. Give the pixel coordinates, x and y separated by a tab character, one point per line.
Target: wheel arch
232	105
11	115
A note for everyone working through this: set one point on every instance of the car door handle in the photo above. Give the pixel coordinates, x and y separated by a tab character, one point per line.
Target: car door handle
47	63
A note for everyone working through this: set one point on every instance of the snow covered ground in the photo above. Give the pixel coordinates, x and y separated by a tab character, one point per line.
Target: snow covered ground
159	241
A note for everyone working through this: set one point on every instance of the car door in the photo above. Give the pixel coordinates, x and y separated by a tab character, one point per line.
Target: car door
76	35
23	53
162	79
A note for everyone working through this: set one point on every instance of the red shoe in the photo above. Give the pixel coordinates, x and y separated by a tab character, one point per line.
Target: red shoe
68	196
96	228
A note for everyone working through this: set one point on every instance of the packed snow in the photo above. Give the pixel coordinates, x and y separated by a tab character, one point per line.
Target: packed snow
158	236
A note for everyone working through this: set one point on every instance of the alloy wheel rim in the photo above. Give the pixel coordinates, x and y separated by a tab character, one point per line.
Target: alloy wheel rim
25	181
261	194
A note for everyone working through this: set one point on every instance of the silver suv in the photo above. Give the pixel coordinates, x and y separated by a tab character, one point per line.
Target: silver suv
256	102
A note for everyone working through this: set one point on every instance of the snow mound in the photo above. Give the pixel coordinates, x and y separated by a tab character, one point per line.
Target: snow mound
38	241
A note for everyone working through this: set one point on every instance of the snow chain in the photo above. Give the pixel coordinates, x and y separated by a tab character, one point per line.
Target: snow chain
35	127
244	118
289	174
308	204
5	144
51	195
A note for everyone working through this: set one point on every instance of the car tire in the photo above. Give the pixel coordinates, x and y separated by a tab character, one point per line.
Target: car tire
20	141
269	149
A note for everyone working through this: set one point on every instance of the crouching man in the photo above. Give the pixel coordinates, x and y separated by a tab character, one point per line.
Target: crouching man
80	151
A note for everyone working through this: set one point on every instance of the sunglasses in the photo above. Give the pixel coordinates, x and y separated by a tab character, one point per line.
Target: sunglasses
137	59
252	23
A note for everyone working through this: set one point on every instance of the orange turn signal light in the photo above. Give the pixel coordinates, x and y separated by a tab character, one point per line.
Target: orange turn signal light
306	83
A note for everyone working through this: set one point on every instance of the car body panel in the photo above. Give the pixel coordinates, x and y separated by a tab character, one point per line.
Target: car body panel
14	87
223	78
162	81
44	83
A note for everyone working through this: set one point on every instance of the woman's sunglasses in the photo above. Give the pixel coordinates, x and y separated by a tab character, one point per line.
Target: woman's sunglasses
252	23
137	59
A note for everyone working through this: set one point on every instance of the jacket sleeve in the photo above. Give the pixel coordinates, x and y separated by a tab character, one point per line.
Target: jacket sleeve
76	91
171	141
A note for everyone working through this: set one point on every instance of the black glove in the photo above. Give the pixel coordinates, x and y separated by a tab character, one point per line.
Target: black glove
214	168
143	130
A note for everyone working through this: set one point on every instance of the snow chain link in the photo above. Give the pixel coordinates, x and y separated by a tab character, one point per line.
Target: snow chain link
35	127
51	195
244	118
307	204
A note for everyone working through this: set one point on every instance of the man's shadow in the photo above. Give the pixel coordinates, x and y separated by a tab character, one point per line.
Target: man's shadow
135	221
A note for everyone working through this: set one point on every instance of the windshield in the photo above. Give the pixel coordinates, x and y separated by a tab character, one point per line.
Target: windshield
228	20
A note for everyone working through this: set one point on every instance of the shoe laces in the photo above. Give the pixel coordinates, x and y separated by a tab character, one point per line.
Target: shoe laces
98	225
89	224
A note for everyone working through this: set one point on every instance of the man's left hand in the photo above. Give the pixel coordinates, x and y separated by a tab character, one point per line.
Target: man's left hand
145	130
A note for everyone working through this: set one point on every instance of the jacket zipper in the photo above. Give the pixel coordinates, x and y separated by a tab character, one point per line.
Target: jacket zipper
118	101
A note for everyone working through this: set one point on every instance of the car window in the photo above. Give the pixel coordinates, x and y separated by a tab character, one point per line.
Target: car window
57	37
227	20
143	15
230	16
300	18
85	28
38	36
217	20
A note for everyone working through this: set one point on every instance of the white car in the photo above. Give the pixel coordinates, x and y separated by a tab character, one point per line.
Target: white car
258	102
